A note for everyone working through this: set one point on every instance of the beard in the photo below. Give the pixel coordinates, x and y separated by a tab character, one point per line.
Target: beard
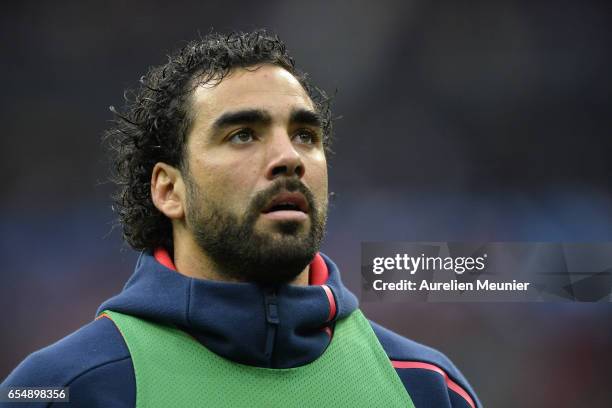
239	251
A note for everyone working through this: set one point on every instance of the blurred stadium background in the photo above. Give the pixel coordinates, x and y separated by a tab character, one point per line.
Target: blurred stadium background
465	121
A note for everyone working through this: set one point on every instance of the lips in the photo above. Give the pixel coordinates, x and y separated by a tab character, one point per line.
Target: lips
287	201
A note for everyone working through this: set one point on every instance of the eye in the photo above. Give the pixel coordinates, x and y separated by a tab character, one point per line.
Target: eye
305	136
242	136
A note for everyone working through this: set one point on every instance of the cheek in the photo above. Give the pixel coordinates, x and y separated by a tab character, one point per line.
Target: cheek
317	179
230	183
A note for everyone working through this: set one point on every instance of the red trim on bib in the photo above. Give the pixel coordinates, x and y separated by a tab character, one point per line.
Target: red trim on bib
449	383
104	315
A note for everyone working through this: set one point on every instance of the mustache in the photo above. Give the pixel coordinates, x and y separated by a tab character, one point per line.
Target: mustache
262	198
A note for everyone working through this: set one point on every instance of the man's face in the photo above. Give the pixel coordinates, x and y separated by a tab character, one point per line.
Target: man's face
256	175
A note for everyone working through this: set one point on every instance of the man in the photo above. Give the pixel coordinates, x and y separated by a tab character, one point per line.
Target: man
220	160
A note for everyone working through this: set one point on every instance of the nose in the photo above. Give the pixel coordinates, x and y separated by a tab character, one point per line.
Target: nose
283	158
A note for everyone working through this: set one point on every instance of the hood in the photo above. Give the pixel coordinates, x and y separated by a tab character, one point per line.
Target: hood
284	327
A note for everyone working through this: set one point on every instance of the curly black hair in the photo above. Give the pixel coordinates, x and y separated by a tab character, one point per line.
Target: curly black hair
154	124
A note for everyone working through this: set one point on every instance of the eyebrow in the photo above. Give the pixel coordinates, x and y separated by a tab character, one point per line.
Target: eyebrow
261	117
305	117
242	117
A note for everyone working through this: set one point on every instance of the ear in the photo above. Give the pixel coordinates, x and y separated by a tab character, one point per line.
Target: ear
168	191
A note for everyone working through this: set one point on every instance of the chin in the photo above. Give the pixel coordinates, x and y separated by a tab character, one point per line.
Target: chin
287	229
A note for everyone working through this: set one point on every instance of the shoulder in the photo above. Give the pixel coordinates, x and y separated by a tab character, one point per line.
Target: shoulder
400	348
426	372
93	362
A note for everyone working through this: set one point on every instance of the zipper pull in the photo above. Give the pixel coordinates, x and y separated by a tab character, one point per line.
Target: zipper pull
271	307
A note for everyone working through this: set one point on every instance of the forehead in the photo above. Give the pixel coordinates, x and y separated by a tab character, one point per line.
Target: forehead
265	87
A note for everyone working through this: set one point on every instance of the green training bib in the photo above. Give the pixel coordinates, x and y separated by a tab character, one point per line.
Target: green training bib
172	369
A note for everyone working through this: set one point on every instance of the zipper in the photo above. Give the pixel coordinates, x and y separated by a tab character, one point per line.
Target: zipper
272	320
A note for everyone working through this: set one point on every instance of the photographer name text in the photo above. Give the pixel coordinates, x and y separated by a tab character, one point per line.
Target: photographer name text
453	285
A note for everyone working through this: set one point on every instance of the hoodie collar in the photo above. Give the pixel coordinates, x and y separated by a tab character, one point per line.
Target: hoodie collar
278	328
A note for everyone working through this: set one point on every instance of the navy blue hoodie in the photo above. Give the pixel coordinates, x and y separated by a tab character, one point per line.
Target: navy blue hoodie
243	322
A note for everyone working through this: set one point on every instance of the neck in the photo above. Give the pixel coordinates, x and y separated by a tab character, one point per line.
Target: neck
190	260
